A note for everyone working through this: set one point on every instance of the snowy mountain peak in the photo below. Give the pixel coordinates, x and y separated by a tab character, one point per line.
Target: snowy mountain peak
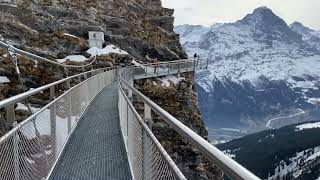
268	25
261	14
300	28
263	9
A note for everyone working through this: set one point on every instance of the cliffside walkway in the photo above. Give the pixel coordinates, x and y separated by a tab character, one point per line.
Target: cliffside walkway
92	130
96	148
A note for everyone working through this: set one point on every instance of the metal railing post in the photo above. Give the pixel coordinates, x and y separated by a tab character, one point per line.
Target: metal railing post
85	75
70	107
145	70
68	84
127	141
16	154
147	114
10	114
53	120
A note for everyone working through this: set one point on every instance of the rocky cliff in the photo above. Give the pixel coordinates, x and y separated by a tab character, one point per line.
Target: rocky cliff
180	100
58	28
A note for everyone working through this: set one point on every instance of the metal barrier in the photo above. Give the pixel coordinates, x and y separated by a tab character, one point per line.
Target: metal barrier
230	167
147	158
15	50
166	68
31	149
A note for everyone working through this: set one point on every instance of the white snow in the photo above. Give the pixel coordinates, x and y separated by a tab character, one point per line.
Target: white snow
21	106
235	52
74	58
165	81
304	157
4	79
315	101
308	126
94	51
66	34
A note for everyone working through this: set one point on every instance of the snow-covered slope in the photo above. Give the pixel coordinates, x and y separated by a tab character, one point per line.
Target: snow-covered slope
309	35
283	153
260	69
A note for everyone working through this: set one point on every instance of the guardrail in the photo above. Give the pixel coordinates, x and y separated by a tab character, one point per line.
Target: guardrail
41	59
147	158
32	148
230	167
171	67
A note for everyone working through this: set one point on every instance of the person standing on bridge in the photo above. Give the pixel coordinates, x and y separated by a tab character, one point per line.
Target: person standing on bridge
156	65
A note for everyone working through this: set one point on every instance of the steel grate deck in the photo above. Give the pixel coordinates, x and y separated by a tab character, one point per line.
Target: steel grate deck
96	149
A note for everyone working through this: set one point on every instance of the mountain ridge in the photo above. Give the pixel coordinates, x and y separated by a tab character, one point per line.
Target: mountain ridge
256	57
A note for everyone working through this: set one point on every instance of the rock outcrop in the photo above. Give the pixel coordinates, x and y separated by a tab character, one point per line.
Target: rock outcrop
57	28
180	100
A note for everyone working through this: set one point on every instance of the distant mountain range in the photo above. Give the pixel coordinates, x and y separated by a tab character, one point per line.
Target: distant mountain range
263	74
288	153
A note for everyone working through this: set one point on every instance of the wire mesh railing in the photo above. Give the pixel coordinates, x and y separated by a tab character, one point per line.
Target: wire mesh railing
147	158
31	149
230	167
165	68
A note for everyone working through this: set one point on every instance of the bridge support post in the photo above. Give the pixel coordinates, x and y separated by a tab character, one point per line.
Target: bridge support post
147	143
147	115
10	114
16	154
53	120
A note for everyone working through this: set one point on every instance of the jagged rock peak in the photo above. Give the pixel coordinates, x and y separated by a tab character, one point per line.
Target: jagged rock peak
262	15
299	27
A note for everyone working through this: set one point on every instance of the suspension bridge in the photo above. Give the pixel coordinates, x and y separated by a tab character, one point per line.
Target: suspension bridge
93	131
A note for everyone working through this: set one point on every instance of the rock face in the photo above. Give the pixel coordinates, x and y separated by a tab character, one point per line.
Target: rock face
141	27
58	28
180	100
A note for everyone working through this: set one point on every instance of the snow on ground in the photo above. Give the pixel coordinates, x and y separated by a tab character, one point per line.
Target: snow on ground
294	167
4	79
74	58
105	51
165	81
66	34
308	126
315	101
21	106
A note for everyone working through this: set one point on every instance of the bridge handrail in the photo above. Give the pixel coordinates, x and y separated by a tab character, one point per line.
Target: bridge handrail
233	169
45	133
22	96
39	58
174	168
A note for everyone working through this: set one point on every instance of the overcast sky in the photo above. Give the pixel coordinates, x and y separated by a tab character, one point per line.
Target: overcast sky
208	12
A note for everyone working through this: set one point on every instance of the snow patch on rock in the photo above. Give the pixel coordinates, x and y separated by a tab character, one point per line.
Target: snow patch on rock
308	126
165	81
94	51
74	58
4	79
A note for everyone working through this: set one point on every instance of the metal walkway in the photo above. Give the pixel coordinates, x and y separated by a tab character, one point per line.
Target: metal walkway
96	149
110	139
